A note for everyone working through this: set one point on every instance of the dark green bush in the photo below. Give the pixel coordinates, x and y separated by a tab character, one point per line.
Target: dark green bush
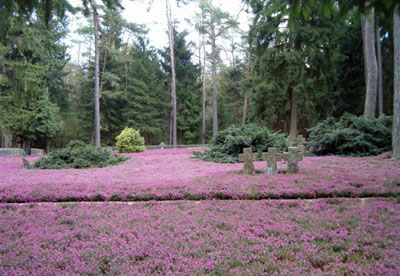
351	135
227	144
78	155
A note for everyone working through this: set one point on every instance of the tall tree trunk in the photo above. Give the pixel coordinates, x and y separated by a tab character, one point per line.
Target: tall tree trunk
396	93
214	80
363	19
173	75
96	78
103	71
203	124
379	61
245	103
247	93
2	140
171	124
372	67
293	98
293	114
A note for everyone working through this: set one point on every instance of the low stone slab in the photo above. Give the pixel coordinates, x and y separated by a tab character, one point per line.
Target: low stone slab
4	152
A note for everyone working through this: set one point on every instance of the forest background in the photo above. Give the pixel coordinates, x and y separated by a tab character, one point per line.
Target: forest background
296	65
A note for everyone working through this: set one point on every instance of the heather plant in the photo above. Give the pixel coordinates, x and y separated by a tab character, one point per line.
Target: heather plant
130	141
351	135
78	155
233	237
227	144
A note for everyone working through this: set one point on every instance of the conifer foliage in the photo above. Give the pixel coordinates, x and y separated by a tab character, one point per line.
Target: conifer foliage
77	155
226	146
130	141
351	135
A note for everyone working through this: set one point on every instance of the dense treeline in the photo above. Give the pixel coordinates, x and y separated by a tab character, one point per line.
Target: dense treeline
295	68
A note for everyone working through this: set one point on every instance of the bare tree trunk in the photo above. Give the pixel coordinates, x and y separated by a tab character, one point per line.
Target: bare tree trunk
372	67
293	99
214	80
396	93
245	103
173	77
247	93
203	125
379	61
171	123
96	78
103	71
363	19
293	114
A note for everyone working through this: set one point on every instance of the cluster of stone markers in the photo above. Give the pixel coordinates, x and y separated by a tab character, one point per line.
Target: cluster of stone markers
292	157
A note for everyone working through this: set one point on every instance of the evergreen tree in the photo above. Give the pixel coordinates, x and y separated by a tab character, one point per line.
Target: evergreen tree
233	86
216	22
294	65
31	62
187	88
146	98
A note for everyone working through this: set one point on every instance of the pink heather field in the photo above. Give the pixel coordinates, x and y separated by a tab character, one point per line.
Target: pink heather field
338	216
173	175
210	237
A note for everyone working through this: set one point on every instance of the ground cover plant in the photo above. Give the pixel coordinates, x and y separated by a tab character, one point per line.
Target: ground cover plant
319	237
77	155
226	146
352	135
174	174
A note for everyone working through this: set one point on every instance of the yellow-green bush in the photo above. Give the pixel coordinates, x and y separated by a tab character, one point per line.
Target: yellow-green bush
130	141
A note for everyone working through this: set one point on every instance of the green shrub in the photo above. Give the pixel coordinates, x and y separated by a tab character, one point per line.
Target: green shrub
130	141
227	144
351	135
78	155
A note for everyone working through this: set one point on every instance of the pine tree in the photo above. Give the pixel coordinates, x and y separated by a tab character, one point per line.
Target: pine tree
216	23
188	89
295	58
31	61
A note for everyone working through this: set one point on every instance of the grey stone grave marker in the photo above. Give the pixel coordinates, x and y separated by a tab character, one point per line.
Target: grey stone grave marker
298	142
292	157
248	157
272	157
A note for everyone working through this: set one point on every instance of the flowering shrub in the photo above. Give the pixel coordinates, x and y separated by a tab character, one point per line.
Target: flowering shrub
77	155
173	174
130	141
229	143
296	237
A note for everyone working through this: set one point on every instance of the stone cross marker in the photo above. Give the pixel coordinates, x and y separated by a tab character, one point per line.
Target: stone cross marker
298	142
272	157
248	157
292	157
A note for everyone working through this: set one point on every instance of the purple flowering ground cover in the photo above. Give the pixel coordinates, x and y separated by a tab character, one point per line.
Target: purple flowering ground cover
174	175
214	237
